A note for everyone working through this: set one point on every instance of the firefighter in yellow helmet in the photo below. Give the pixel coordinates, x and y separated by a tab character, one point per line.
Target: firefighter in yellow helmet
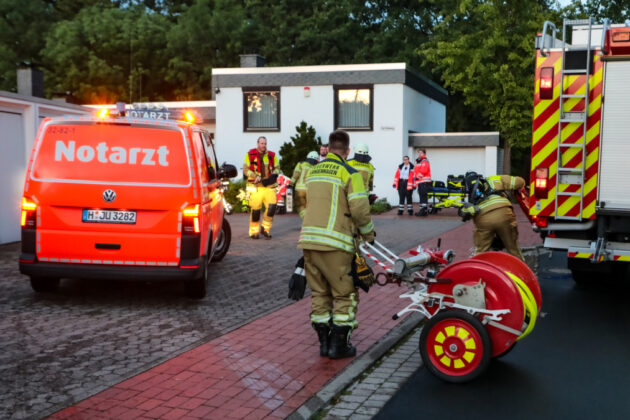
361	162
297	180
261	168
336	208
492	211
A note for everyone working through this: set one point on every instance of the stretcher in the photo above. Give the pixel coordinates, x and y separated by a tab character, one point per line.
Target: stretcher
476	309
451	194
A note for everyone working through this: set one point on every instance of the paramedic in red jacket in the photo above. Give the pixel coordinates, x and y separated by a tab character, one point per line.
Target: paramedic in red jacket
422	176
404	183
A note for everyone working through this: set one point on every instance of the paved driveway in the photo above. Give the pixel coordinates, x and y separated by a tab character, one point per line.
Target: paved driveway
60	348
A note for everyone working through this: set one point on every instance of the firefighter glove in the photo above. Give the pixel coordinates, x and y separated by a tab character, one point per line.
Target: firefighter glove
297	284
362	274
372	198
369	237
467	211
270	180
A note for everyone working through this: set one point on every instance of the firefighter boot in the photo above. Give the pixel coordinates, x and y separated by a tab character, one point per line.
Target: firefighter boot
323	333
340	346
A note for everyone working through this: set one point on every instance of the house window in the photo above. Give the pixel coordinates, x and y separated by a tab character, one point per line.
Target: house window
354	107
261	109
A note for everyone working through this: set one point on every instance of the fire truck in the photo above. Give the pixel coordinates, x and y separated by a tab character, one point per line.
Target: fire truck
580	168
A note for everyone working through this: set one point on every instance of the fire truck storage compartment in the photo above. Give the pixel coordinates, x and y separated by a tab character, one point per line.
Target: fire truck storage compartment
615	141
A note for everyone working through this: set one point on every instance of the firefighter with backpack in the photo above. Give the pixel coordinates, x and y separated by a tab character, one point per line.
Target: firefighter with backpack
491	210
297	181
261	169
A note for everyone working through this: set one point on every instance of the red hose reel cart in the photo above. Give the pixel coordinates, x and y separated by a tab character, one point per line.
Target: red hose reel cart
476	309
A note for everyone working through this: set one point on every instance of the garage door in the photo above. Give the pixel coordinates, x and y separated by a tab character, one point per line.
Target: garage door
615	140
12	168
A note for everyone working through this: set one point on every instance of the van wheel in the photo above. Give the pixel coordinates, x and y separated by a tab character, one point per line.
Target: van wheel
223	241
44	284
196	288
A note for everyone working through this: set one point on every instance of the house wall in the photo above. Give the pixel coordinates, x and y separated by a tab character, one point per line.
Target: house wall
386	141
459	160
20	117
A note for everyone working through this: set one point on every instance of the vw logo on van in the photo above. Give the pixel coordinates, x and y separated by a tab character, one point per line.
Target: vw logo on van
109	196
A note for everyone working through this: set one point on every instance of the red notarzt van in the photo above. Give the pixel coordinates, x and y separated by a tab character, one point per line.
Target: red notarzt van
123	198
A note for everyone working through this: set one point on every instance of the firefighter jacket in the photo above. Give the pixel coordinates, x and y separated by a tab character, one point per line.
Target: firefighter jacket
422	172
299	175
495	191
410	181
366	169
262	166
336	207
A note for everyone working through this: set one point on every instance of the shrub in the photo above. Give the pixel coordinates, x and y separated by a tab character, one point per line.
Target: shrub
306	140
380	206
231	196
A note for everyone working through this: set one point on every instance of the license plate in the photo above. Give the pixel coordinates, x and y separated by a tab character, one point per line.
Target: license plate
109	216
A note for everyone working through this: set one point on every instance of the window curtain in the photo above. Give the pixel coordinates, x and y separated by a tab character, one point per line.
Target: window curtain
262	110
353	108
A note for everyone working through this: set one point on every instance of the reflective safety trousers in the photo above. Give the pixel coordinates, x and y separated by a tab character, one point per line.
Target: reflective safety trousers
336	207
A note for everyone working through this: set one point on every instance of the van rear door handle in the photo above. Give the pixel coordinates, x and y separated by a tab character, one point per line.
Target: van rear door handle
107	246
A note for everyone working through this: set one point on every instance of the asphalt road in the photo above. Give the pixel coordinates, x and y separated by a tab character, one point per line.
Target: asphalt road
574	365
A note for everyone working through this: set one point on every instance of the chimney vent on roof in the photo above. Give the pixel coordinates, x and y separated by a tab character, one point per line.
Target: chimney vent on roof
252	60
30	82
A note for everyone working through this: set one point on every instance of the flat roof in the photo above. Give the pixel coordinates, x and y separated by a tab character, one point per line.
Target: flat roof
341	74
479	139
48	102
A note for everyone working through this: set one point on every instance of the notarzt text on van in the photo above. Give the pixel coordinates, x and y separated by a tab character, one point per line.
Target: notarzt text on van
105	154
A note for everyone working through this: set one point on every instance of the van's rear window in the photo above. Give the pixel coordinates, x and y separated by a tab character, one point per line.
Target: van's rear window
112	154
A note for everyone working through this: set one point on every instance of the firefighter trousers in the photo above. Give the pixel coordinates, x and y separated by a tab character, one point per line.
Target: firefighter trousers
500	222
333	293
299	202
259	196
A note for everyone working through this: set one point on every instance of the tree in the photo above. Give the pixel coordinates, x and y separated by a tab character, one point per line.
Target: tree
306	140
483	50
106	54
22	25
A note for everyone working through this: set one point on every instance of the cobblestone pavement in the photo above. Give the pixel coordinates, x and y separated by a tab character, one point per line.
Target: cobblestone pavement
60	348
368	395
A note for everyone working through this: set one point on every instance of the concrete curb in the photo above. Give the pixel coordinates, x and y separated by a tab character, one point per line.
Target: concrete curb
348	376
356	368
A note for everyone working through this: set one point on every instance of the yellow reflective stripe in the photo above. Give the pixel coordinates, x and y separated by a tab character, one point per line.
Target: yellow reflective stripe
331	233
322	178
326	241
494	200
357	195
325	318
333	208
367	228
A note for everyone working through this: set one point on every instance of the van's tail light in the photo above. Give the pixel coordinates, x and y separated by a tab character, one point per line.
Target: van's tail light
191	219
546	83
29	213
541	182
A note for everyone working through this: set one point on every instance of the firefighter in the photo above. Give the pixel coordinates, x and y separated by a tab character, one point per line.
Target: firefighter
336	207
404	183
492	211
361	162
261	169
422	178
299	176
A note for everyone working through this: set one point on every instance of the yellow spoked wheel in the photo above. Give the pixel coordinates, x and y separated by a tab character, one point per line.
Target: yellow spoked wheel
455	346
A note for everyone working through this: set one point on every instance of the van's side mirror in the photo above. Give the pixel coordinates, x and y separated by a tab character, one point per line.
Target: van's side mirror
227	171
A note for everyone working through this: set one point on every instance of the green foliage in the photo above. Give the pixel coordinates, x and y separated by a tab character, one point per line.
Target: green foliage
380	206
231	196
306	140
106	54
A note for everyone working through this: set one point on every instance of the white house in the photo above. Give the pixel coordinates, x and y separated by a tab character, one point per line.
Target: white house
378	104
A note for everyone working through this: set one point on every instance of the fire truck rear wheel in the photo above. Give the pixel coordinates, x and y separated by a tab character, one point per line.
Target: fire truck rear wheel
455	346
223	242
44	284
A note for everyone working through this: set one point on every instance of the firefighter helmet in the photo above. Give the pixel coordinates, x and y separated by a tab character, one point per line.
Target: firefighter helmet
312	155
361	149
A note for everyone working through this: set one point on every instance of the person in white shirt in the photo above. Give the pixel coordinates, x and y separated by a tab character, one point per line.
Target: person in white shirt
404	183
323	151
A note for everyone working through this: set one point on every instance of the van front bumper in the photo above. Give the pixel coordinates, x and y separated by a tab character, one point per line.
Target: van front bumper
193	270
